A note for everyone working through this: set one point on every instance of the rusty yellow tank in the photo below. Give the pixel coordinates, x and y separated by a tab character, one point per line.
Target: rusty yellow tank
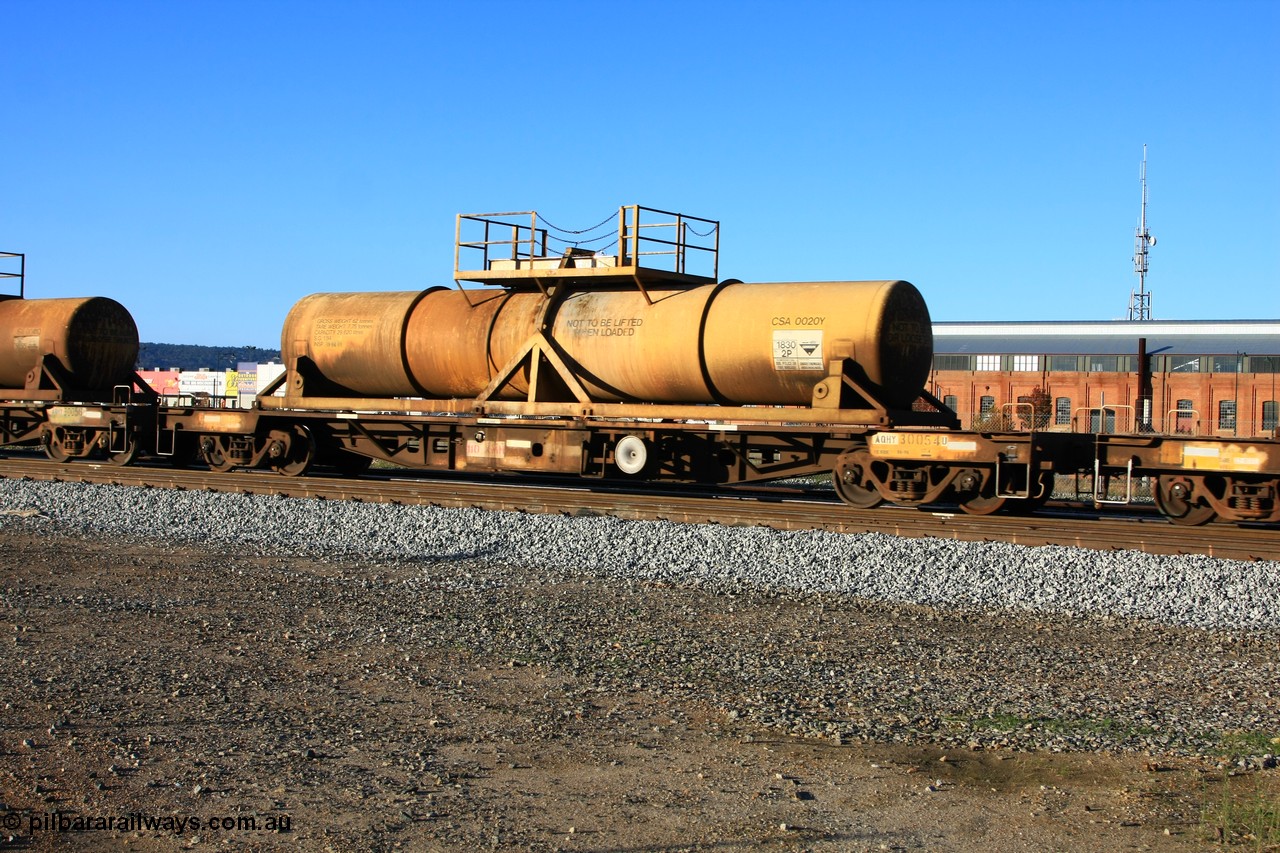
731	343
93	337
357	340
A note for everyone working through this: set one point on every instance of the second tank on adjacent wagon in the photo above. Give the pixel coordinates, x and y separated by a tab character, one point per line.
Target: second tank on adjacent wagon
93	339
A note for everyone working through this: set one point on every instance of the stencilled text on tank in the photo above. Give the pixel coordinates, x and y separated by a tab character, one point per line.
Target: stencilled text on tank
338	331
26	339
907	335
604	327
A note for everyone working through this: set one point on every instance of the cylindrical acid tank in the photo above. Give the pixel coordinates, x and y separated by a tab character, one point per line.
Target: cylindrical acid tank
93	337
730	343
356	340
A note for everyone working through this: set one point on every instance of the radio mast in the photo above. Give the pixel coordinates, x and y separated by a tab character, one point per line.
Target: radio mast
1140	299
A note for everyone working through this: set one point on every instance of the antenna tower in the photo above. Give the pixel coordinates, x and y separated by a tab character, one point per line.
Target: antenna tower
1140	299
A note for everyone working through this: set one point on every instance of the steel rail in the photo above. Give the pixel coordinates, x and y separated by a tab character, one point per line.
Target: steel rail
781	508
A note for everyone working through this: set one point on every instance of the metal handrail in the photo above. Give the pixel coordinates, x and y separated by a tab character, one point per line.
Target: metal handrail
1173	418
528	241
20	275
1102	412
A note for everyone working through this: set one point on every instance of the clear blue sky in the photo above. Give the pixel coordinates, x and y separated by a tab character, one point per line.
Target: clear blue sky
209	163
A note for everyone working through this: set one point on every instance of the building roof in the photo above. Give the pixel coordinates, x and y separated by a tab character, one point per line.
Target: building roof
1109	337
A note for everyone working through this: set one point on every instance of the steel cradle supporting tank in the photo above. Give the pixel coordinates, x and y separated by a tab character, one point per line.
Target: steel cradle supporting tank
730	343
93	337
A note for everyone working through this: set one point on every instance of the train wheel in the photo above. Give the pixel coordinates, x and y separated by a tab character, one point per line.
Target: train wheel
970	488
1175	498
982	505
126	456
53	447
301	455
851	482
213	455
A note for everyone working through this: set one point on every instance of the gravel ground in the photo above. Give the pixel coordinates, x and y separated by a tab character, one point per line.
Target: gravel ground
445	679
1176	590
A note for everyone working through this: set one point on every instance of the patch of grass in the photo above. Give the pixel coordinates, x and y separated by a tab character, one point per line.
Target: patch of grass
1003	722
1101	726
1236	744
1242	812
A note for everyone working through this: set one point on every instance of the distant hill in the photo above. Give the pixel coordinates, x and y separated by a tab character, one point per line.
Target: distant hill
192	357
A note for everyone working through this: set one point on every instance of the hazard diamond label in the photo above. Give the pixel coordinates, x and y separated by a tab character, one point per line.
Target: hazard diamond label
798	349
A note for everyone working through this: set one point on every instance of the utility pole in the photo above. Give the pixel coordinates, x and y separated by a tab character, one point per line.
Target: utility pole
1140	299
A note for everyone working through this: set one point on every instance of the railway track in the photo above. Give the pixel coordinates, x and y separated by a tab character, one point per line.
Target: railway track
782	508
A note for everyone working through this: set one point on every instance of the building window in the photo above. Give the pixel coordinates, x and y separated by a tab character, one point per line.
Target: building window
1026	362
986	404
1225	363
1096	422
1269	414
1184	364
950	402
1184	420
1062	410
988	362
951	362
1104	363
1226	414
1064	364
1264	364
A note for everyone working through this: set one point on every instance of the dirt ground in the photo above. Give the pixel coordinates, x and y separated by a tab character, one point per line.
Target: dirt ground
157	697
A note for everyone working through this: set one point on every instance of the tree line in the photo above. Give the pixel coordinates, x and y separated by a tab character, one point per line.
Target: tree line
194	357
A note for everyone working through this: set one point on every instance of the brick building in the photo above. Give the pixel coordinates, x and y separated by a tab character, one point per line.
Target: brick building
1210	377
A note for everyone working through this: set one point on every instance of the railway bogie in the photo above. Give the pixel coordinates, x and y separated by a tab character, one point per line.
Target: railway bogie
1199	479
95	430
981	472
289	451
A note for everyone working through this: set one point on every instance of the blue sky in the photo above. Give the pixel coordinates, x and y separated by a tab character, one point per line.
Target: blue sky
207	164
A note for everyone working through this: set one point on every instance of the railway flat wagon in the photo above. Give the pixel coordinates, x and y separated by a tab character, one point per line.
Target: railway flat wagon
636	361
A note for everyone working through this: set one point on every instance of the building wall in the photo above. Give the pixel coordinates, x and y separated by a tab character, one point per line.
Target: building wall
206	383
1205	391
222	388
163	382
